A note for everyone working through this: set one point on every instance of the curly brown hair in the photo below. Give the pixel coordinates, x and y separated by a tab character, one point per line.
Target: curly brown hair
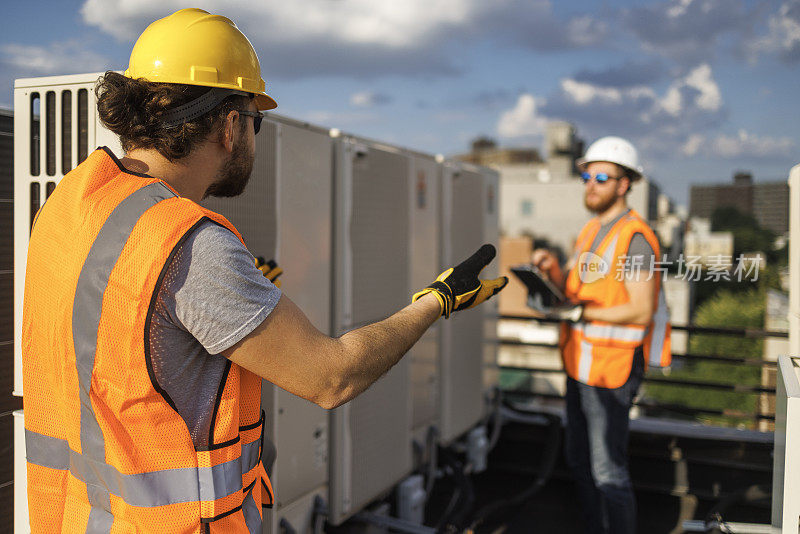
132	109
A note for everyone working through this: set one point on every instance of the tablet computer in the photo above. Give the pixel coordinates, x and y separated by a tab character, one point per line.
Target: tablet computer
539	288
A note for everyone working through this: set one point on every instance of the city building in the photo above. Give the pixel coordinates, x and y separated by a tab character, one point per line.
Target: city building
704	247
543	198
670	227
767	202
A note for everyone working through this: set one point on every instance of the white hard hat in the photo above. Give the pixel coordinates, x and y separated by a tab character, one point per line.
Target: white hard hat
614	150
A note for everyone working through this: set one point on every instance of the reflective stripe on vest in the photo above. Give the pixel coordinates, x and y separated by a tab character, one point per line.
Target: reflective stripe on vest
608	255
585	363
156	488
613	332
252	515
87	307
659	329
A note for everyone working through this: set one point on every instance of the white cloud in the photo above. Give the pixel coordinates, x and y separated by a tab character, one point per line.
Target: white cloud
313	37
692	144
523	120
702	80
672	101
783	36
678	9
586	30
356	21
741	145
703	92
660	123
368	99
583	92
745	144
55	58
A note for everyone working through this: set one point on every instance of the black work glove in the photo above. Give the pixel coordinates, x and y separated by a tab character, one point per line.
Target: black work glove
270	269
459	287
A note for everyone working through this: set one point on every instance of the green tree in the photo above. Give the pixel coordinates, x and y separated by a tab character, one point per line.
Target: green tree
748	235
730	309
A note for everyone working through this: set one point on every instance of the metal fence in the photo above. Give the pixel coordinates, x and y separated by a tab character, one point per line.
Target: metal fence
652	378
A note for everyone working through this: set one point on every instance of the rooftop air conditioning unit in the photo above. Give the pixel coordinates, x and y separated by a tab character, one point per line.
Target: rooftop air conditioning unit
469	195
371	435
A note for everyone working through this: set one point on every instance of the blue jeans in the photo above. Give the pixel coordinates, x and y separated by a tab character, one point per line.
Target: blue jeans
596	444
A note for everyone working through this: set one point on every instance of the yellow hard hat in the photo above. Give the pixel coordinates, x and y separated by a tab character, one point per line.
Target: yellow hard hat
194	47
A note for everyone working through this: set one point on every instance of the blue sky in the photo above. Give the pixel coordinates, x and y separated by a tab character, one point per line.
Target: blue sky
702	87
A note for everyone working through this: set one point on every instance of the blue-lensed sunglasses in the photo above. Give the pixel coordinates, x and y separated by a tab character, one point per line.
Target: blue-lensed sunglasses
600	177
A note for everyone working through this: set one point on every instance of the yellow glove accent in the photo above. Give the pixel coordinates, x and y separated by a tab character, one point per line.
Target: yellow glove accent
270	270
459	287
419	294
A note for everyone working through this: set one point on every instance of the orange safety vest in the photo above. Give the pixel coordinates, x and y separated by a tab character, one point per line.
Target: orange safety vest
106	451
599	353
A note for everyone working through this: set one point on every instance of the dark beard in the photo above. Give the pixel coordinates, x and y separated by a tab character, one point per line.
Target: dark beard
234	174
601	207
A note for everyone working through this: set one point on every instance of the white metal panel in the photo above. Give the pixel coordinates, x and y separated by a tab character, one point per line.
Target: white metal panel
21	524
794	263
306	220
299	515
425	175
786	467
462	365
56	81
304	241
372	271
491	309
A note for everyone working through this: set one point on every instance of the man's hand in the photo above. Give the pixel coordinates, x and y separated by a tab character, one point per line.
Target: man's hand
459	287
270	269
571	313
547	262
544	260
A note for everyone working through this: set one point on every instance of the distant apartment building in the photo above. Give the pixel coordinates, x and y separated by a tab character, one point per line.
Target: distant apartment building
543	197
704	247
767	202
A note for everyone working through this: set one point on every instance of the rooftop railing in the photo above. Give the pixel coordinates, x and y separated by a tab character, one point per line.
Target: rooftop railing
659	407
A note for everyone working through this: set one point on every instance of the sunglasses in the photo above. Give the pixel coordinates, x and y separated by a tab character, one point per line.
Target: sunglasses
600	177
257	117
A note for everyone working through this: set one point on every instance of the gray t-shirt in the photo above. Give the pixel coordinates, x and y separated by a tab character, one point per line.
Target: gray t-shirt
211	297
640	253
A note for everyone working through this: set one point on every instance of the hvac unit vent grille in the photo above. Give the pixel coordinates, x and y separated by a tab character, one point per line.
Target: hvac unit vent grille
379	235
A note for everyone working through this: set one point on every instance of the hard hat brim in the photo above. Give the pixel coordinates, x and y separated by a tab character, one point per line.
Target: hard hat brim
265	102
637	173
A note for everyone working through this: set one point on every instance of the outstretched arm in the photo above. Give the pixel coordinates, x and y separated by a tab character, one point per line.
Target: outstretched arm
290	352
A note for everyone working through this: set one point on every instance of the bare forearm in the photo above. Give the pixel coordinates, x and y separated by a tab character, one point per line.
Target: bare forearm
558	278
369	352
629	313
